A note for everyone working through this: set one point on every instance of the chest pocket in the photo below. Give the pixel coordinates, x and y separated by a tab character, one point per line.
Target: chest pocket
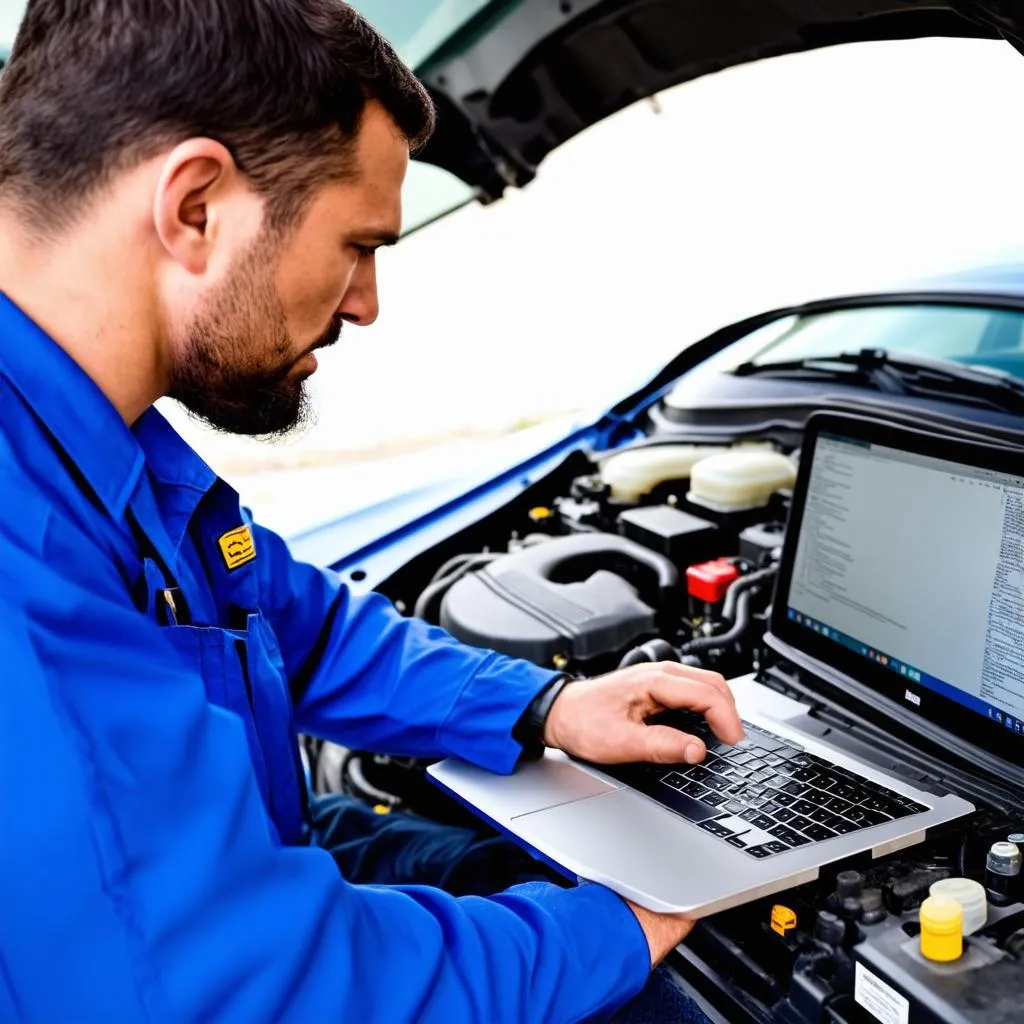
244	674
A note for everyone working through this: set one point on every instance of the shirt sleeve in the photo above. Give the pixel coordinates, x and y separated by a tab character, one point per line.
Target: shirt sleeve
367	677
138	876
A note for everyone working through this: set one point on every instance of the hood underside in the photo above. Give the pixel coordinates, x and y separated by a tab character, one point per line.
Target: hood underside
523	77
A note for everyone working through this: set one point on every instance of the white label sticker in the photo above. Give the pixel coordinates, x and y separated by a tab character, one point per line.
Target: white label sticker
882	1001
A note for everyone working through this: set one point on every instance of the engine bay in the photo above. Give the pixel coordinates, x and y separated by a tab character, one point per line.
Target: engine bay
669	552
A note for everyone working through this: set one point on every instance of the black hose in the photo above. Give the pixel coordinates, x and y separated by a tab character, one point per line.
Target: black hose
435	591
653	650
460	560
739	627
741	586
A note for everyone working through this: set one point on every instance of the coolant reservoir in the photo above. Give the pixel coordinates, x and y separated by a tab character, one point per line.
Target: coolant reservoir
638	471
740	479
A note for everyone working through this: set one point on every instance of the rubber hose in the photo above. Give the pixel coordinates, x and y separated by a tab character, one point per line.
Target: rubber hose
435	591
653	650
460	560
739	627
741	586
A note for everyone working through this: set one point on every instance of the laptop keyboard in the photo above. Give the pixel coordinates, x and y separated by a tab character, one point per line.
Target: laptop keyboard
765	795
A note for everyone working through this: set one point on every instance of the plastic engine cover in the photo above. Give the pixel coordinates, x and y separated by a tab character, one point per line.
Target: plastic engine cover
571	596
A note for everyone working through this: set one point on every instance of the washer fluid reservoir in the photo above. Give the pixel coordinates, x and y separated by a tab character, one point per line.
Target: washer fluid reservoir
740	479
635	473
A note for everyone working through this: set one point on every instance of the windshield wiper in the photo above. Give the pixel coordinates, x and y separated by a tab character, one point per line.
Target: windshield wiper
902	374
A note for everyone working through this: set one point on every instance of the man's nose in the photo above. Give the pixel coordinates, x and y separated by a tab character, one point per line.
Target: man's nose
360	304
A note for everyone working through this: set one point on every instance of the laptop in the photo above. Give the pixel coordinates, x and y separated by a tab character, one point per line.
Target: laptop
900	600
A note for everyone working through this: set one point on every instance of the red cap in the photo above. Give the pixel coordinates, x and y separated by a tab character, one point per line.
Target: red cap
709	581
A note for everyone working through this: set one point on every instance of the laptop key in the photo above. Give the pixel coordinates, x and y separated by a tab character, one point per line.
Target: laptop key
864	818
736	841
762	821
733	806
675	780
694	789
801	823
849	791
713	799
716	783
784	814
786	799
739	757
804	807
788	836
715	828
826	818
750	814
838	806
771	808
699	773
819	833
787	752
760	852
878	803
795	788
817	797
718	766
844	828
776	847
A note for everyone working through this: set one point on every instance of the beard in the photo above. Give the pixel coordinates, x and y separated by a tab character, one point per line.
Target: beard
236	373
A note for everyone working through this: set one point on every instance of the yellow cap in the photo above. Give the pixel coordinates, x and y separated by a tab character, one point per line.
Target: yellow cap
783	919
540	514
942	922
381	809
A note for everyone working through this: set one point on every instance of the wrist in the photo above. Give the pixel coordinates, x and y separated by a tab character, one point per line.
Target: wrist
531	731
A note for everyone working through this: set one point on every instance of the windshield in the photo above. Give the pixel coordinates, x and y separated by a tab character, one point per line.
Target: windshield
970	335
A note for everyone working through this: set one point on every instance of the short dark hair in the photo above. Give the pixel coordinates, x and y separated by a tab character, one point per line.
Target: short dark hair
94	87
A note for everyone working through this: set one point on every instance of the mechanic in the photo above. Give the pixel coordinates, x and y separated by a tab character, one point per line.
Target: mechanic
191	196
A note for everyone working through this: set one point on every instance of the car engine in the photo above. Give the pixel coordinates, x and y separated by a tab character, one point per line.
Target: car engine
662	551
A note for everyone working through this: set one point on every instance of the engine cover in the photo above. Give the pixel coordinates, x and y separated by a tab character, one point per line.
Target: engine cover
576	597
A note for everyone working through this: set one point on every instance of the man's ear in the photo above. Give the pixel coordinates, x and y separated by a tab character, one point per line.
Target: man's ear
196	179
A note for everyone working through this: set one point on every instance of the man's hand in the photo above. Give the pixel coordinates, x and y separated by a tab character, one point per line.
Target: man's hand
604	720
663	931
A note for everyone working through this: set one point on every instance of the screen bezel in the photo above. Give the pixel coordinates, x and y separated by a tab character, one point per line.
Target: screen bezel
942	711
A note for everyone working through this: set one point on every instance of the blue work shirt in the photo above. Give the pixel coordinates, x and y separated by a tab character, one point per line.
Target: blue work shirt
158	652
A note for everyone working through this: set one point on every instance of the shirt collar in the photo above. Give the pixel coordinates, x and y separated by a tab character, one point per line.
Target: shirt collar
109	455
71	407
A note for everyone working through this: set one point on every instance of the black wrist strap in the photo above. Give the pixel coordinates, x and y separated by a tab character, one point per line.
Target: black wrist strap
529	730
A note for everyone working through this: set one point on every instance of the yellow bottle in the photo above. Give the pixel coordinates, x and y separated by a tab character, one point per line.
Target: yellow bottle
942	922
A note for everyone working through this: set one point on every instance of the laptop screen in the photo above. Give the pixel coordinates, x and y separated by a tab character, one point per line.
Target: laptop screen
913	565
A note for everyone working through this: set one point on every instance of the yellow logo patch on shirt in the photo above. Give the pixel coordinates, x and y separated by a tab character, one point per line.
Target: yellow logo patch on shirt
237	547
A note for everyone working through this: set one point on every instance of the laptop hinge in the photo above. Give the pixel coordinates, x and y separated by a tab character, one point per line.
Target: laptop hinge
960	767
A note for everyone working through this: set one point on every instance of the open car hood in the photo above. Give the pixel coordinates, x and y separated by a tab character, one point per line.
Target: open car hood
524	76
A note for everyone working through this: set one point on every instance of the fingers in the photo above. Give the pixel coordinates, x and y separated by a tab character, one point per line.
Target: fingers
703	675
661	744
677	687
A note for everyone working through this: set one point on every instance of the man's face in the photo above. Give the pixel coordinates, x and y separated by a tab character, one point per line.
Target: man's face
248	349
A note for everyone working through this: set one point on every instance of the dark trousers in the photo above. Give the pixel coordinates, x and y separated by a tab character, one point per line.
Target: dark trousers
403	849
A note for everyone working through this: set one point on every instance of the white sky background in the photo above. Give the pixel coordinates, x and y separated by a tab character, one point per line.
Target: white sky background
778	181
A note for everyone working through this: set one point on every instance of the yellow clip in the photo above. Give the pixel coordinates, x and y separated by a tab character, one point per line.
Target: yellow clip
381	809
539	514
783	919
